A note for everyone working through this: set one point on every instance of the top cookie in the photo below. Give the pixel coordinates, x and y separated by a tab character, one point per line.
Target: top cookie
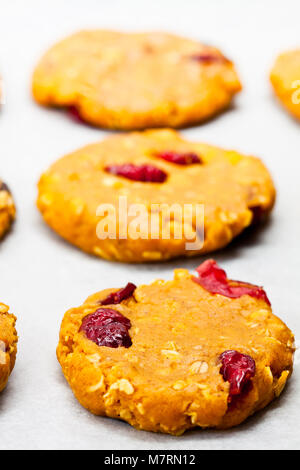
134	81
285	78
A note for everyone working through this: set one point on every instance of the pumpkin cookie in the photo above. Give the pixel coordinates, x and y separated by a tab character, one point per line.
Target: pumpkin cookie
135	81
285	78
8	344
198	351
7	209
89	196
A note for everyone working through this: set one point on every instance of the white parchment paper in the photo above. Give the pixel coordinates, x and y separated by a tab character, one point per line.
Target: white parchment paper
41	276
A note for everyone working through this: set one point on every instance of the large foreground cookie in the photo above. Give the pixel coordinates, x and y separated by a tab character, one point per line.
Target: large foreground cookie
134	81
285	78
8	344
196	351
148	168
7	209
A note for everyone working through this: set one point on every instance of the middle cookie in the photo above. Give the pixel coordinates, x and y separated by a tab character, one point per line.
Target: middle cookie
151	195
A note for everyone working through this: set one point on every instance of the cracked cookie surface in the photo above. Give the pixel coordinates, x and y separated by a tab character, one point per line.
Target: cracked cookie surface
7	209
234	190
285	78
8	344
135	81
173	376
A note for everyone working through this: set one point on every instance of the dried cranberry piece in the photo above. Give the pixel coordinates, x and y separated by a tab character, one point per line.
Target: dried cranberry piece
238	369
214	279
144	173
74	114
113	335
107	327
102	317
4	187
208	58
259	214
121	294
187	158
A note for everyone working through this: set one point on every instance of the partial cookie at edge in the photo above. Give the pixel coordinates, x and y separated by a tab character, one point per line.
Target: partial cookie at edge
8	344
285	78
7	209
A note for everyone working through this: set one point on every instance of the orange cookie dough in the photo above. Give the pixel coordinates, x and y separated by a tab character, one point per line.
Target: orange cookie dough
285	78
7	209
158	362
8	344
135	81
235	190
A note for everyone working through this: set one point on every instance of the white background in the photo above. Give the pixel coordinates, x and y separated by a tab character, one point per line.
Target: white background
41	276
